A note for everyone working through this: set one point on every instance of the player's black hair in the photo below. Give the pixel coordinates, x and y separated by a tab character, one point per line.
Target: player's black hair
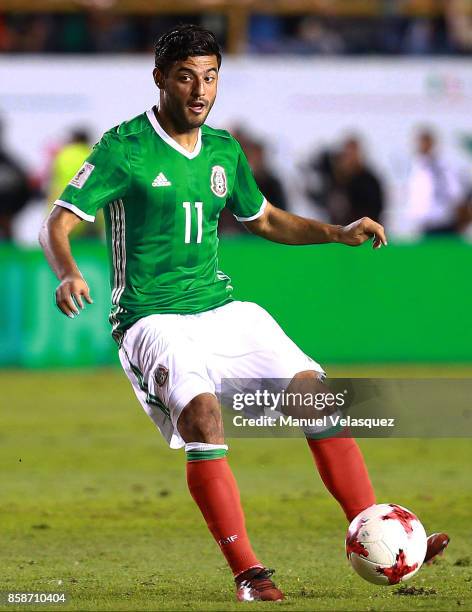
186	40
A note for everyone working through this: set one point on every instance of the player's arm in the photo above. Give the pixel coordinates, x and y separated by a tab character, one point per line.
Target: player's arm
103	178
54	240
260	217
280	226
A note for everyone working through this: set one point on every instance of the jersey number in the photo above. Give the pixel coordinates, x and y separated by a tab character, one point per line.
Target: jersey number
188	221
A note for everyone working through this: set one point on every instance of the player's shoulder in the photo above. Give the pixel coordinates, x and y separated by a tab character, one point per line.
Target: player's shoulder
219	137
119	134
210	132
135	126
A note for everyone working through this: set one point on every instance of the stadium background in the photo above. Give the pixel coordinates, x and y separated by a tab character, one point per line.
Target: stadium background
299	78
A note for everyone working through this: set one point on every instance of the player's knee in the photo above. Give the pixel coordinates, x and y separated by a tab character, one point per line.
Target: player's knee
305	394
308	375
308	381
201	420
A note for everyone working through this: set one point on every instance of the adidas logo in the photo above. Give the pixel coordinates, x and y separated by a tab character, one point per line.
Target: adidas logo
161	181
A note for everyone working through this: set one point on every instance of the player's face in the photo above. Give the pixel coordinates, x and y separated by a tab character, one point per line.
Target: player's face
189	90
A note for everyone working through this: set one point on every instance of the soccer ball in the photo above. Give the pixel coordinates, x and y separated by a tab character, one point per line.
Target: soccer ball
386	544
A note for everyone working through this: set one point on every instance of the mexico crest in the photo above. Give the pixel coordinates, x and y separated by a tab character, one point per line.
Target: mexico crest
160	375
218	182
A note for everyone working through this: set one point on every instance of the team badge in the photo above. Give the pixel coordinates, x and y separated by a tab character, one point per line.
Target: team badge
218	181
82	175
160	375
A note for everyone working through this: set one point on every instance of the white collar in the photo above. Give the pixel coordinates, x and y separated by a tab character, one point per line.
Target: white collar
170	141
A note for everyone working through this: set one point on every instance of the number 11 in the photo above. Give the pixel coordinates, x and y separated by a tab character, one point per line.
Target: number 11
188	221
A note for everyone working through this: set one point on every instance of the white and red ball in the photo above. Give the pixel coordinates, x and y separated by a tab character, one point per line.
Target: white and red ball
386	544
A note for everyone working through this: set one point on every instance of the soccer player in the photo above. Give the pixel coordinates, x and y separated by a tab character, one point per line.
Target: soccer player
162	179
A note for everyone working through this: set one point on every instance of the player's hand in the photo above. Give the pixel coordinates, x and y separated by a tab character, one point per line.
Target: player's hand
359	231
69	295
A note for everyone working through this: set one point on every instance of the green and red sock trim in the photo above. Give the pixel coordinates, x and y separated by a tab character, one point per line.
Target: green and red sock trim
197	455
200	451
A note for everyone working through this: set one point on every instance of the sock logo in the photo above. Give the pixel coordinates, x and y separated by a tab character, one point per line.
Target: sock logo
229	540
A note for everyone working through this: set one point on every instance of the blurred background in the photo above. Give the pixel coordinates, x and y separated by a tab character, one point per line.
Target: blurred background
344	108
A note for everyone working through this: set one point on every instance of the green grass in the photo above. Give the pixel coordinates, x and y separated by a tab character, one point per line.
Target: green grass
94	504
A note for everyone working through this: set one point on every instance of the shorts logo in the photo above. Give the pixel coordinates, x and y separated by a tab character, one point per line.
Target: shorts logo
218	181
82	175
161	375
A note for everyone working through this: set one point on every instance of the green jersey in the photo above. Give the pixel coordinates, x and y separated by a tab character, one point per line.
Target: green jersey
161	205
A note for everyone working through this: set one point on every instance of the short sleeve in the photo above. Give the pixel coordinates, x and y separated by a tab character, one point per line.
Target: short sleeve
246	202
102	178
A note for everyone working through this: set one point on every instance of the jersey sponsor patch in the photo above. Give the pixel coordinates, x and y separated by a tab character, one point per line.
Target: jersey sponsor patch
161	375
218	181
82	175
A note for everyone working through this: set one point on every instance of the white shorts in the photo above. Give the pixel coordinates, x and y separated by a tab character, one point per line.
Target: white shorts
172	358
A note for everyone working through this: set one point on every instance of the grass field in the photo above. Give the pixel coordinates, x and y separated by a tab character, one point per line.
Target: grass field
94	504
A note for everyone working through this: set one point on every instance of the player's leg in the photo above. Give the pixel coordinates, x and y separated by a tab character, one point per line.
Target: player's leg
168	373
211	481
343	470
338	457
215	491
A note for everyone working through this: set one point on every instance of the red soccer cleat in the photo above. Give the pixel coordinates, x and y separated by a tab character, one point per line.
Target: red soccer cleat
437	543
255	585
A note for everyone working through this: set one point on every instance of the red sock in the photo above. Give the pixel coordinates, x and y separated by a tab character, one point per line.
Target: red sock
213	487
344	473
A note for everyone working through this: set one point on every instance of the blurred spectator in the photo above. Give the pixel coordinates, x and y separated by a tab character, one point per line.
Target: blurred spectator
71	33
14	190
25	33
459	23
266	33
345	185
425	36
315	36
435	192
66	163
464	215
319	180
242	136
270	186
268	183
112	33
360	185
